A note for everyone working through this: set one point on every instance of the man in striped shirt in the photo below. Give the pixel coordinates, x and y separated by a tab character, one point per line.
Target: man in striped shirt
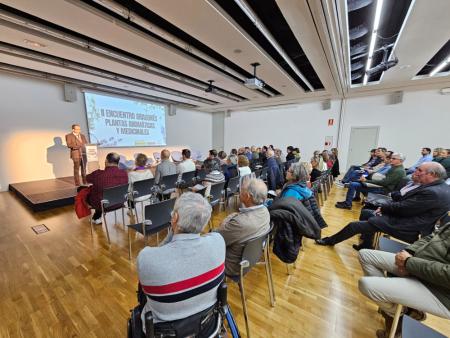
181	277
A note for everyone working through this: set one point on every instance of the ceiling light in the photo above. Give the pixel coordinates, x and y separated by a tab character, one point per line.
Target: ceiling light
34	43
373	39
441	66
249	12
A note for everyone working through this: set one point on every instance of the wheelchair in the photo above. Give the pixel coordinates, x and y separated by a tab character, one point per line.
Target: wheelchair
208	323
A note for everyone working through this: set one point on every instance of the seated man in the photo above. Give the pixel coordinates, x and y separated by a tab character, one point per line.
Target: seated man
101	179
423	275
211	160
393	178
373	161
426	157
275	178
166	167
413	213
181	277
187	164
252	221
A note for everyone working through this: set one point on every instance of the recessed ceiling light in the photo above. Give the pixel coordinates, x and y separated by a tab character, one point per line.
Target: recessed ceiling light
237	51
34	43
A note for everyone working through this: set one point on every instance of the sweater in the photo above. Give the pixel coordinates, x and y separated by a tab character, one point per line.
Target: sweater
393	178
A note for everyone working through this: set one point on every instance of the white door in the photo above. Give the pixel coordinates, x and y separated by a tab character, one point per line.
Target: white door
362	140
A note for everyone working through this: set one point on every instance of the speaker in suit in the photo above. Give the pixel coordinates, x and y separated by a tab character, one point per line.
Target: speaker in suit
76	143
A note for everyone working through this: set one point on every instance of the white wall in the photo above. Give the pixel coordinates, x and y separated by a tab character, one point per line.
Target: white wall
421	120
304	126
35	118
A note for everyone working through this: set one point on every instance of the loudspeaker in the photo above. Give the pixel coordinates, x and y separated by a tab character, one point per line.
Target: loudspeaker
326	104
172	110
396	98
70	92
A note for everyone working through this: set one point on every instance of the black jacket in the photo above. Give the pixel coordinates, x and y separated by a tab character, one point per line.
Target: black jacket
414	213
292	221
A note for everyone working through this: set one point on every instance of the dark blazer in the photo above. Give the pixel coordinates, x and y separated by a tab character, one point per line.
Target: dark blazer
75	145
414	213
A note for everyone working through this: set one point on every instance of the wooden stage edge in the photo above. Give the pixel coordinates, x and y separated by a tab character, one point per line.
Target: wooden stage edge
45	194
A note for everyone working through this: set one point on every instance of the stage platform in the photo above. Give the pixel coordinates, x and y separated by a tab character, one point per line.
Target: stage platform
46	194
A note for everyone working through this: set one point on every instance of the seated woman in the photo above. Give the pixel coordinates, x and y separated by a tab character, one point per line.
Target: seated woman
315	172
243	165
297	177
327	159
139	173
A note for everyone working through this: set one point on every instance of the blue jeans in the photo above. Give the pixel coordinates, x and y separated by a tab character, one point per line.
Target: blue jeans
346	178
356	188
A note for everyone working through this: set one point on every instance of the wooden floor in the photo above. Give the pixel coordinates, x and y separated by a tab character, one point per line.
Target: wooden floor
65	283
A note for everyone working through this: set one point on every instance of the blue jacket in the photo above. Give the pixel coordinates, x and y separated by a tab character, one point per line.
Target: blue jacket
297	190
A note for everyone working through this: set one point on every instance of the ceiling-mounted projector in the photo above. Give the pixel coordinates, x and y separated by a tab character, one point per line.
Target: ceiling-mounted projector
254	82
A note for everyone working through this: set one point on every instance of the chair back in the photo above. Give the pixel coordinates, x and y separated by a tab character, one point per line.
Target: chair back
115	195
143	188
224	168
188	177
216	192
411	328
264	172
233	185
169	182
200	174
158	215
252	253
389	245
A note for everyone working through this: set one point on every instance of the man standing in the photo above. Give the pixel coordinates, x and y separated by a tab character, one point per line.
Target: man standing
414	213
76	142
252	221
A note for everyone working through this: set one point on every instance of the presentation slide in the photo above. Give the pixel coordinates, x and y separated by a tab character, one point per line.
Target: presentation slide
118	122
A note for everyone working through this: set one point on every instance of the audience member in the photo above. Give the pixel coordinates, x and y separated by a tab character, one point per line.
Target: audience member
442	158
192	262
315	172
101	179
255	153
406	217
186	165
373	160
289	153
250	222
278	155
335	168
393	178
248	153
422	275
211	160
275	179
166	167
243	166
426	157
326	159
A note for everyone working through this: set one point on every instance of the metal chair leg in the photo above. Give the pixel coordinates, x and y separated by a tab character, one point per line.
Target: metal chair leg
398	313
106	227
269	277
244	306
123	218
92	225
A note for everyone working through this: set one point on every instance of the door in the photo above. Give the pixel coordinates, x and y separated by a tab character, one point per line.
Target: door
362	140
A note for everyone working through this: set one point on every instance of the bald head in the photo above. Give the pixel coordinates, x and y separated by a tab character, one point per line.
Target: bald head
429	172
165	154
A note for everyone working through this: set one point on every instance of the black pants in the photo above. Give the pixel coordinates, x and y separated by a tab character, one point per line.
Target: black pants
97	214
366	229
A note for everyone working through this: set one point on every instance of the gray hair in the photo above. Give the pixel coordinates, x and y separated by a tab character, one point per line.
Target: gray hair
400	156
299	172
233	159
436	169
193	212
256	188
270	153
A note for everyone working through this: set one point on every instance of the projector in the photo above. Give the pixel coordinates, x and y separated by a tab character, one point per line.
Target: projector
254	83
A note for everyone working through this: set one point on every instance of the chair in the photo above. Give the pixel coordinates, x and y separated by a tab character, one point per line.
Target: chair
215	198
114	198
168	184
232	190
200	175
142	191
389	245
157	217
187	179
412	328
251	256
221	311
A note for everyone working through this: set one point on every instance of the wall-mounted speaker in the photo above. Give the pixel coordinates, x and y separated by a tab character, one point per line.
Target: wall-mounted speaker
396	98
326	104
70	92
172	110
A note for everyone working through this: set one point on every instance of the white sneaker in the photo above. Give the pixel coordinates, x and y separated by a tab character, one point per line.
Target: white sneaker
97	221
339	184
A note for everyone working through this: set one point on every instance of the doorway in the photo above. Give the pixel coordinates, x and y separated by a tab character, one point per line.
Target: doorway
362	139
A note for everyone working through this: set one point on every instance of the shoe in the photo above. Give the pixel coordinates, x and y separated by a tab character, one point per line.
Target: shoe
356	247
381	333
97	221
416	314
343	205
339	184
323	241
356	199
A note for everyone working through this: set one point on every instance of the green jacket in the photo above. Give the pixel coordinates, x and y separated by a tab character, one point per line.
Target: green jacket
393	177
445	161
431	263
